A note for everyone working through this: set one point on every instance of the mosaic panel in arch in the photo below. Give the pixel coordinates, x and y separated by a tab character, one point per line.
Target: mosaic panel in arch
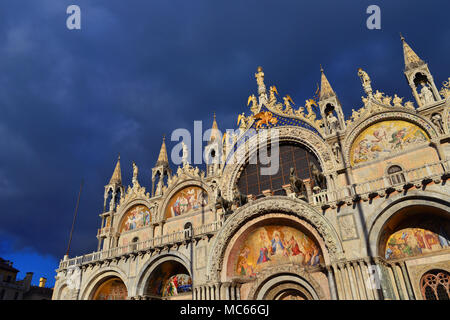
186	200
272	245
415	241
169	279
135	218
112	289
384	138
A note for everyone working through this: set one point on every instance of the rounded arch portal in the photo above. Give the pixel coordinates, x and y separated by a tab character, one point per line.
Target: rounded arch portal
410	227
164	277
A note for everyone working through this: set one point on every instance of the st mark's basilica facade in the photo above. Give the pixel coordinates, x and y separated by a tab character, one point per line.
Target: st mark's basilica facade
359	208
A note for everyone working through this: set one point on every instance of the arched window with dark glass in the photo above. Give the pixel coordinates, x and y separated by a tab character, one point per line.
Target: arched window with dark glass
396	175
435	285
134	243
188	230
292	155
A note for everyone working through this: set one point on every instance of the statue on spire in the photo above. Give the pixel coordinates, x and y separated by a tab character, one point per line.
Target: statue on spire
366	82
135	175
261	86
185	154
254	108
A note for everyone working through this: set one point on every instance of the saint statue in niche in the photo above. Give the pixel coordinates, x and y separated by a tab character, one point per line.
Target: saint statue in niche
426	96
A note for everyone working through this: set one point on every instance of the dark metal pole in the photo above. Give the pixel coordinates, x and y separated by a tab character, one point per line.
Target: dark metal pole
74	218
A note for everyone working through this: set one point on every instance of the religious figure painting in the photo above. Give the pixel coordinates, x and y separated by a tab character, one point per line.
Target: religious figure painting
415	241
135	218
113	289
272	245
187	200
169	279
177	284
385	138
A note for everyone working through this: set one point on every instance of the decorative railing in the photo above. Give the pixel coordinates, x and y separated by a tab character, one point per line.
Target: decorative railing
390	182
395	181
156	242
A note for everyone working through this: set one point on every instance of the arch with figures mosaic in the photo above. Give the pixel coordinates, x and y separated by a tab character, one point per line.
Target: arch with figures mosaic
120	222
299	135
395	208
94	283
148	275
385	133
282	213
200	191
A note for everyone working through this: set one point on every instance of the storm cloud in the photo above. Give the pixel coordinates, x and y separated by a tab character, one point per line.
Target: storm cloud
71	100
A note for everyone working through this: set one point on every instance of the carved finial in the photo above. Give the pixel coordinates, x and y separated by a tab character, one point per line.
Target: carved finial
401	37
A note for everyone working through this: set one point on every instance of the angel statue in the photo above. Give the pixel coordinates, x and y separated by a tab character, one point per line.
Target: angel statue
311	114
242	121
254	107
366	82
445	92
272	97
379	96
387	100
287	103
299	112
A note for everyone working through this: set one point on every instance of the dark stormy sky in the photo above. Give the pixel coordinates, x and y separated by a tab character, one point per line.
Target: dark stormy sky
71	100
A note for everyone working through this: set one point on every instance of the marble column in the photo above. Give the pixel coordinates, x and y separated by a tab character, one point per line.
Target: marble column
397	282
359	280
407	281
346	282
352	281
340	286
331	283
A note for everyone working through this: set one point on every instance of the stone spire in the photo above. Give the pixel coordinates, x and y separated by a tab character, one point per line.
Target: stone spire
117	174
325	88
412	60
215	134
163	159
161	170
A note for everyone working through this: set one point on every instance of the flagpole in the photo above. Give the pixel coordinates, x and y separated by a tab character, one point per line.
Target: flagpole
74	218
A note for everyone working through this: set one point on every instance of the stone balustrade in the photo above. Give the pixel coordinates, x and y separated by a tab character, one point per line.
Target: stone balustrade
156	242
379	187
